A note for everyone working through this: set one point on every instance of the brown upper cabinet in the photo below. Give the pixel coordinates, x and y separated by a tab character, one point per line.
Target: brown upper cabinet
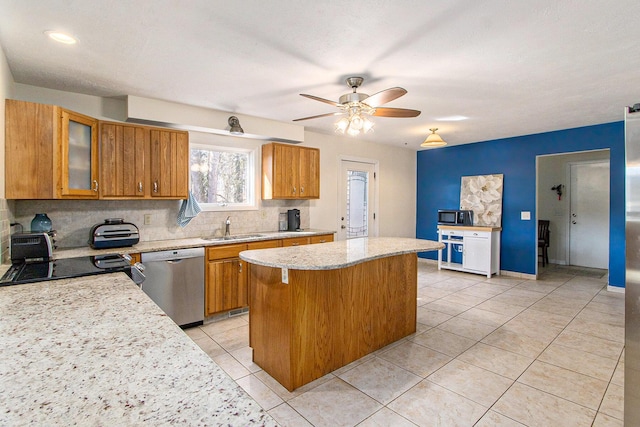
169	164
53	153
124	154
290	172
143	162
50	152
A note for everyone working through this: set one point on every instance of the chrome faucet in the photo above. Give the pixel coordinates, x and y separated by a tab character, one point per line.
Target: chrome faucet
227	232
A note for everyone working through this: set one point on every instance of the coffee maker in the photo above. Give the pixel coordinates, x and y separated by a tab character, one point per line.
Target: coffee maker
293	218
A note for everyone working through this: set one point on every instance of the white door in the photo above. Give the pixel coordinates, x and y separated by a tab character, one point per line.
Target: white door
589	215
357	200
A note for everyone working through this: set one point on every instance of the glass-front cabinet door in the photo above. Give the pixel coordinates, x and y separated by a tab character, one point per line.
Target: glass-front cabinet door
79	156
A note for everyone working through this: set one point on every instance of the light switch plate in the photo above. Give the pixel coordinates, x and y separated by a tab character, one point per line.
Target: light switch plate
285	275
525	216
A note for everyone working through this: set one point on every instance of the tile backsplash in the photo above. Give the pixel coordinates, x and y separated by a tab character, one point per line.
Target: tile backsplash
73	219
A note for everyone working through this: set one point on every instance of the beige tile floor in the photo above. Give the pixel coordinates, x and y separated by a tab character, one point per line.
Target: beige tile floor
487	352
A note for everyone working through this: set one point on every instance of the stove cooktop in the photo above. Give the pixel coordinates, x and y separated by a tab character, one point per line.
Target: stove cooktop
64	269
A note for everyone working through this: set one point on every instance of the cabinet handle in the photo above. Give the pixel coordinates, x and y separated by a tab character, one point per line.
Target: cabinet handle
140	187
323	241
95	185
240	267
155	186
295	244
301	189
294	190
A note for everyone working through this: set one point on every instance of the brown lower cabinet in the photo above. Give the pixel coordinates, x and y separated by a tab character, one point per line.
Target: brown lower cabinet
226	275
226	285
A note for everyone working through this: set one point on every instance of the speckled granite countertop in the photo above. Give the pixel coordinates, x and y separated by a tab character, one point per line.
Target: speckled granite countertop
98	351
164	245
333	255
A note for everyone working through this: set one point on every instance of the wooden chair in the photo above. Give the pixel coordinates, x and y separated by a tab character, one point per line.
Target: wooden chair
543	241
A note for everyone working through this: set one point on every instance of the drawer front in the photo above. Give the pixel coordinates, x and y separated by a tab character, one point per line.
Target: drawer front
458	233
324	238
478	234
295	241
226	251
264	244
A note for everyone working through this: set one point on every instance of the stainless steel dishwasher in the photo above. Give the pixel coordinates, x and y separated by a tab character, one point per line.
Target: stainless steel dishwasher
175	281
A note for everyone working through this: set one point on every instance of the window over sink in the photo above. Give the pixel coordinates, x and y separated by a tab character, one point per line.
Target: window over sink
222	177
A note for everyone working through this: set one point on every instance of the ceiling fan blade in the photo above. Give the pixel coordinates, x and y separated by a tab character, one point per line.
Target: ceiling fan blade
384	96
326	101
337	113
396	112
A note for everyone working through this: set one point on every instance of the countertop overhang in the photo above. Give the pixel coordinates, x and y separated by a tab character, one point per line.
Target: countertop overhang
340	254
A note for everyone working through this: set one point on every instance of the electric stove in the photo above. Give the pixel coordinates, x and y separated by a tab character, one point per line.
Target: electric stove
29	272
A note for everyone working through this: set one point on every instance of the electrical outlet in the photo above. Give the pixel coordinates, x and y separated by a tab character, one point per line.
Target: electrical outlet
147	219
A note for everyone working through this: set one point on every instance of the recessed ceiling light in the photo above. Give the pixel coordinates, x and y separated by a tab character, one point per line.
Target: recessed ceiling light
452	118
61	37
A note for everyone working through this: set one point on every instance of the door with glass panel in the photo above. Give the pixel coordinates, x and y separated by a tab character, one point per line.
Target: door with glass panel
357	200
79	155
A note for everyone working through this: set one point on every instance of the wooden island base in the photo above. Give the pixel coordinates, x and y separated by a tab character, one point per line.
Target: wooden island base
324	319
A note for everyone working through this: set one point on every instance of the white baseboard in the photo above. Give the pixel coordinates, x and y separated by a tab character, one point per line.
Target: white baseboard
517	275
616	289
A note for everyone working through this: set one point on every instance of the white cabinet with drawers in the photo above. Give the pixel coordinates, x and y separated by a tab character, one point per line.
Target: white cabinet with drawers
470	249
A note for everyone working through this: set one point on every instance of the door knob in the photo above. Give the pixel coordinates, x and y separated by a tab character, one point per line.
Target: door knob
573	222
573	215
343	226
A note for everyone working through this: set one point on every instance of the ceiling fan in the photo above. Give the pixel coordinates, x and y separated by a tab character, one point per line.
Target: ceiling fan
357	106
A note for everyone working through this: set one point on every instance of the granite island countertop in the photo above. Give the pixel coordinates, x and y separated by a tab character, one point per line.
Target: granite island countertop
97	351
193	242
340	254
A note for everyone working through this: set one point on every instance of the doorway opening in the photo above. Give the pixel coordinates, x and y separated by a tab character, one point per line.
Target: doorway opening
357	199
579	216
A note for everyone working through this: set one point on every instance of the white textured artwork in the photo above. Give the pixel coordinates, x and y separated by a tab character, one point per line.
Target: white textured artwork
483	195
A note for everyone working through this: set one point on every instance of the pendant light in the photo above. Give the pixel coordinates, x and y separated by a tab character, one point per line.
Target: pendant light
433	140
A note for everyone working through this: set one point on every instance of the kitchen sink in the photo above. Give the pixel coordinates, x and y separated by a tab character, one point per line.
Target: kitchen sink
235	237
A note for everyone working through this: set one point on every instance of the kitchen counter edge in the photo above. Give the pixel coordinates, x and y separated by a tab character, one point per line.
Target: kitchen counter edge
340	254
96	350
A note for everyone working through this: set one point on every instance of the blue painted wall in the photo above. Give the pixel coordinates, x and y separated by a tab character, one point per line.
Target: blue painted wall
440	171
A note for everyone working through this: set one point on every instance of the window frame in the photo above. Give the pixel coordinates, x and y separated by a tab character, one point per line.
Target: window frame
212	142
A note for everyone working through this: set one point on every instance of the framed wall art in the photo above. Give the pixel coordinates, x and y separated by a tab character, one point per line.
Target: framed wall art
483	195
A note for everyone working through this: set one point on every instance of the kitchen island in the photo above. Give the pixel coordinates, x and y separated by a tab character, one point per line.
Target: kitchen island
317	308
97	351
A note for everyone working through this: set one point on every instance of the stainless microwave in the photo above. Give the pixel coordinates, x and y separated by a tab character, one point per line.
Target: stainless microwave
455	217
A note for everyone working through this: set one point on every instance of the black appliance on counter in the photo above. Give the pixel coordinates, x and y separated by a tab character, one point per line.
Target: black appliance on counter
455	217
293	218
113	233
29	247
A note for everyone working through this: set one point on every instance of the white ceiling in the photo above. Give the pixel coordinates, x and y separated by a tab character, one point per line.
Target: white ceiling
512	67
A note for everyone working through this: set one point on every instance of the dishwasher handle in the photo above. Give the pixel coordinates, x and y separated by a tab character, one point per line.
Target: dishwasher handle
172	255
175	261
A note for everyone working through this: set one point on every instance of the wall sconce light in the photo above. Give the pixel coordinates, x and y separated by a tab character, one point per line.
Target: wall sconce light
558	190
433	140
235	129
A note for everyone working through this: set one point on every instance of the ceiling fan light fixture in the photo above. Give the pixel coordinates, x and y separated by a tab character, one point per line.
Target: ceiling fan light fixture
235	128
433	140
356	123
